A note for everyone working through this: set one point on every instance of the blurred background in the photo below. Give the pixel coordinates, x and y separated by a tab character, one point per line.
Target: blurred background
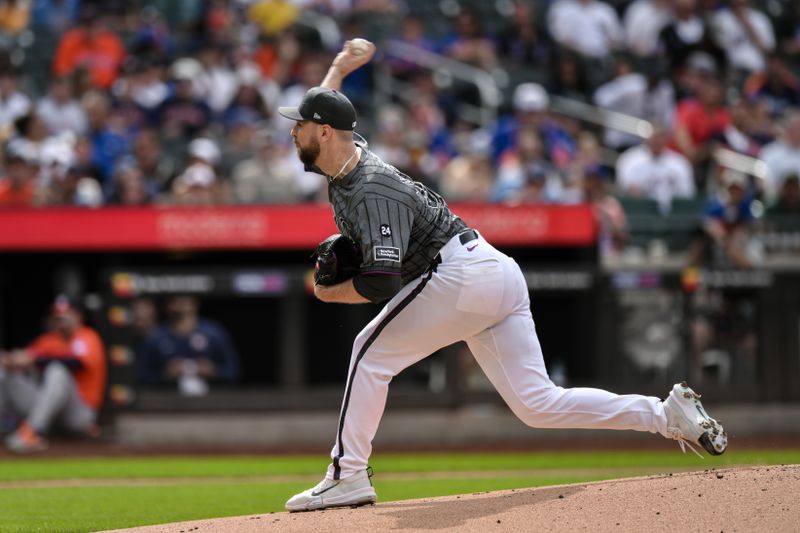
639	159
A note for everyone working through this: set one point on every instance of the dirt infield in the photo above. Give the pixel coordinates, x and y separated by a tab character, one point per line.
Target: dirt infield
736	499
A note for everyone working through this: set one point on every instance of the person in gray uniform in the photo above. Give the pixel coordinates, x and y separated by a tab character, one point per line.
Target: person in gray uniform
441	282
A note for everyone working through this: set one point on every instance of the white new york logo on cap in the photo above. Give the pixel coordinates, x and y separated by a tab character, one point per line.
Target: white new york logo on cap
316	116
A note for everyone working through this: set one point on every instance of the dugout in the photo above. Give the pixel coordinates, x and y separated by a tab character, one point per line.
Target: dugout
627	327
249	268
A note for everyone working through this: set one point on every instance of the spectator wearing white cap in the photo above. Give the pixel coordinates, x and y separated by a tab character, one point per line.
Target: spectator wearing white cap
205	151
531	97
196	186
531	104
199	183
184	114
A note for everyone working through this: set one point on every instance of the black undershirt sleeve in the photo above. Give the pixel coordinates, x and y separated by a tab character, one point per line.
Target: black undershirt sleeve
377	287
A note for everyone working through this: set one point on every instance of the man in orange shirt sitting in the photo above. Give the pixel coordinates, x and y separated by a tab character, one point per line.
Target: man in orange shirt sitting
59	380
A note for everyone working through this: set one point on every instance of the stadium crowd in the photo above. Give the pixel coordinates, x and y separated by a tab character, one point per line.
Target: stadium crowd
148	101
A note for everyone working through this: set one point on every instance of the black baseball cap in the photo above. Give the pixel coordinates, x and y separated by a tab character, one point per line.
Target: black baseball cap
324	106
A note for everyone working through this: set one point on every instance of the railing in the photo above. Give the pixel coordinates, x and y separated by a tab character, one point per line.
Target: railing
446	69
643	129
490	90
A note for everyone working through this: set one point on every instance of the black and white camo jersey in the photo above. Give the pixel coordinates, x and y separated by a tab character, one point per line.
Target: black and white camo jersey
399	223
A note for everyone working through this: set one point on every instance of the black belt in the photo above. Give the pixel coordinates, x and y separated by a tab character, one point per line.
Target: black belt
469	235
464	237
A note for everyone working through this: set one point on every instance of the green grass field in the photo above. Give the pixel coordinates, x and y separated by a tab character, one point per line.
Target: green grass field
90	494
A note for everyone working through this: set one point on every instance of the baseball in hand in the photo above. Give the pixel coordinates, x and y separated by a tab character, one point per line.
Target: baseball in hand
358	47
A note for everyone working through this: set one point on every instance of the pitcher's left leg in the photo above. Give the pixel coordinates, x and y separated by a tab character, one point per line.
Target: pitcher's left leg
510	355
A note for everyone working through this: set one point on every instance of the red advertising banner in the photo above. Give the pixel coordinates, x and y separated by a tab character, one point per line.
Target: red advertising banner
262	227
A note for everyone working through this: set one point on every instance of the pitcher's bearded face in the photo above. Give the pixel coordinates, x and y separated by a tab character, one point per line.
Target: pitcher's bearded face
309	153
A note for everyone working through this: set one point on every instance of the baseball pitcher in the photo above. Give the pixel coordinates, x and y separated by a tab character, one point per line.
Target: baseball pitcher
441	282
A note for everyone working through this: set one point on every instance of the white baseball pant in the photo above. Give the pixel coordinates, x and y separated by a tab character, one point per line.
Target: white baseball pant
479	295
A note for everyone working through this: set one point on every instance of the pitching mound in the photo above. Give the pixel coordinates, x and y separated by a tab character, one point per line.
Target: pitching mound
737	499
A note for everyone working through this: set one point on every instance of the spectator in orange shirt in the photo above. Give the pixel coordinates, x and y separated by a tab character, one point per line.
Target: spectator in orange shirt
17	187
57	381
91	47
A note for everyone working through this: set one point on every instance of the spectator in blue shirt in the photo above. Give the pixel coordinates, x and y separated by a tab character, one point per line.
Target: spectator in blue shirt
189	351
531	105
727	224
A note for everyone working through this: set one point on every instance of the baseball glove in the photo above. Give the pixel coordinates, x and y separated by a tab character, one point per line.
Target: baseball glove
338	259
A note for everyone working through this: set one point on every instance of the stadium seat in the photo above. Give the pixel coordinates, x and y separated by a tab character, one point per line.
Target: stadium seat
639	206
688	206
644	221
788	223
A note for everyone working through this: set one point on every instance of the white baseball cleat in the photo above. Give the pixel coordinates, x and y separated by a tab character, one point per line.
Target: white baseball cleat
352	491
687	422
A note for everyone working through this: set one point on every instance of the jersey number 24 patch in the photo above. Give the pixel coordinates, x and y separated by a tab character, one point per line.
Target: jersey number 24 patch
386	231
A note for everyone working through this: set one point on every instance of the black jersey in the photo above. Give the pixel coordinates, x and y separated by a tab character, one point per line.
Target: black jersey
399	223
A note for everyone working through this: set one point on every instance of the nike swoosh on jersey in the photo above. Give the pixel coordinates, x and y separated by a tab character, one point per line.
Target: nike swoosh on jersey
323	491
470	248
